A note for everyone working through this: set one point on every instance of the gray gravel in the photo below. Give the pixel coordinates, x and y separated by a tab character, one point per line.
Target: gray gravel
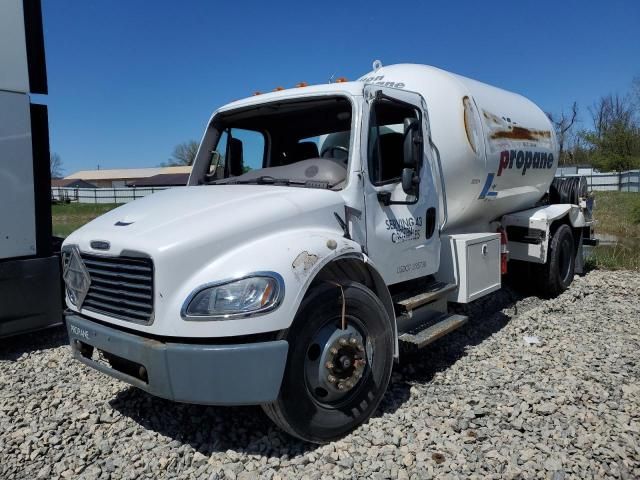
479	403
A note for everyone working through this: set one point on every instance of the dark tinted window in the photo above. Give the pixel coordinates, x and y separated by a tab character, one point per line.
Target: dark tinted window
386	140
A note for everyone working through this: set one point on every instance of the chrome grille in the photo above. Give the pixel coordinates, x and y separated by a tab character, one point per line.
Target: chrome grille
121	287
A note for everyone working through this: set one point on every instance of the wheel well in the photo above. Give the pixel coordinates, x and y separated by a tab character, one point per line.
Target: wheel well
357	270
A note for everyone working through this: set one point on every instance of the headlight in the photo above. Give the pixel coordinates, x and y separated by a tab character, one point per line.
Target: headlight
254	294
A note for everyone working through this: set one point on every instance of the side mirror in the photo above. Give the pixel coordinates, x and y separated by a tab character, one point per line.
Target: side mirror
412	156
235	161
214	171
412	146
410	181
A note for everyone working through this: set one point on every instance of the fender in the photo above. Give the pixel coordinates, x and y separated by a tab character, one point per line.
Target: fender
380	287
528	231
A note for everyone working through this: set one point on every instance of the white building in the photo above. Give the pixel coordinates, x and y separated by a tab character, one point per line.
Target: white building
123	177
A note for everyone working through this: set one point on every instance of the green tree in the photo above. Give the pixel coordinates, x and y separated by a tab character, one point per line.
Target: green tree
614	141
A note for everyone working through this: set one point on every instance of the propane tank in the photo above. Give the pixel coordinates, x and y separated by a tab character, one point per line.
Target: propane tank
497	149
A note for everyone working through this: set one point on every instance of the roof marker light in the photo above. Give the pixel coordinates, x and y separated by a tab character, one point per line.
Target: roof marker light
302	84
278	89
341	80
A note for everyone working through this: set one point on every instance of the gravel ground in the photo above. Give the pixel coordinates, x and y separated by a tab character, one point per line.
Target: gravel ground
479	403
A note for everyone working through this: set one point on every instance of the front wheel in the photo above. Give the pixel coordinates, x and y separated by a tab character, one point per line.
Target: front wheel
337	371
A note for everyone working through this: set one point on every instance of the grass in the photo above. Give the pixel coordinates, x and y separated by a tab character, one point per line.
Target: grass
67	217
617	213
614	257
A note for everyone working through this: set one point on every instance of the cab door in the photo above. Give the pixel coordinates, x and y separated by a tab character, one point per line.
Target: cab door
402	235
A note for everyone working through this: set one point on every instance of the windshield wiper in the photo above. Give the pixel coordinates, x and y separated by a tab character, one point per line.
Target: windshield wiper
269	180
263	180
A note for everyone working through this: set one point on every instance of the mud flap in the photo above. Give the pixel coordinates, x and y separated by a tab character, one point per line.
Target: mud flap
579	264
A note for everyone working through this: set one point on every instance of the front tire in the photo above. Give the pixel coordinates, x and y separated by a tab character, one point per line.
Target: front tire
335	377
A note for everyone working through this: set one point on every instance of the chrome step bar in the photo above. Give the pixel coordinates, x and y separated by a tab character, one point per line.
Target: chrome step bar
430	331
436	291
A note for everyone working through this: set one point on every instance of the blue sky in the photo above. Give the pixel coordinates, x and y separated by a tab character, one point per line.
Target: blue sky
128	80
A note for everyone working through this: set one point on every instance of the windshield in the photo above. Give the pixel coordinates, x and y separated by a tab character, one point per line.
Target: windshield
298	143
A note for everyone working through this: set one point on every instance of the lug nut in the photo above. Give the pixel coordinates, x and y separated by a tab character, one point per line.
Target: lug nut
343	341
353	341
333	350
341	386
331	379
329	365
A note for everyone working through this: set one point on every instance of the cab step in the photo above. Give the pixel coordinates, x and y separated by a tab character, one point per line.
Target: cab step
434	291
431	330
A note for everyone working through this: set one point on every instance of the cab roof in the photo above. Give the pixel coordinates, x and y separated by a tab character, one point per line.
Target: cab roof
343	88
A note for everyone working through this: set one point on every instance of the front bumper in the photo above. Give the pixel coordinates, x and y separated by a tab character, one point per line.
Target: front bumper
229	374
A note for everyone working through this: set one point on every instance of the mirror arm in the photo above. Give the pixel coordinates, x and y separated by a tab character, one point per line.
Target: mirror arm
385	199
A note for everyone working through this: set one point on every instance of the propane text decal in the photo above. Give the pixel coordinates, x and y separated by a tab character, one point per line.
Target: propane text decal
379	80
524	160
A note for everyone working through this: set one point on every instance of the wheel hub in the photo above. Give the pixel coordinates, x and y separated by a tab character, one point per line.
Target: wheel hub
339	365
346	362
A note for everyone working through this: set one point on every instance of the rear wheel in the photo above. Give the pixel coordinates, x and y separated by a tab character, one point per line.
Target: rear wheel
557	274
336	373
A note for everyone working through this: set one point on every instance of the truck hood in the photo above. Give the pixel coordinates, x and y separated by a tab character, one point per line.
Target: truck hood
207	217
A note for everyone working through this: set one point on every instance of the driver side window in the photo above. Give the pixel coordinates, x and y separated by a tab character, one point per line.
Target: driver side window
386	140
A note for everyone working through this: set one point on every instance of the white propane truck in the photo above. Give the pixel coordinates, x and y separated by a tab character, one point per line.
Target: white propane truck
323	228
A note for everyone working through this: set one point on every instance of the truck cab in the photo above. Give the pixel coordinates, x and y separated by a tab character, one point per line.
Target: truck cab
309	244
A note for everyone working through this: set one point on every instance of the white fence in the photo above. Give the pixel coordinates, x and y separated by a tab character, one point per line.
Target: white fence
628	181
102	195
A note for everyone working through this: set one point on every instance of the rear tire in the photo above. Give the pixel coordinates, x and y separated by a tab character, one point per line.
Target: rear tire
323	356
557	274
